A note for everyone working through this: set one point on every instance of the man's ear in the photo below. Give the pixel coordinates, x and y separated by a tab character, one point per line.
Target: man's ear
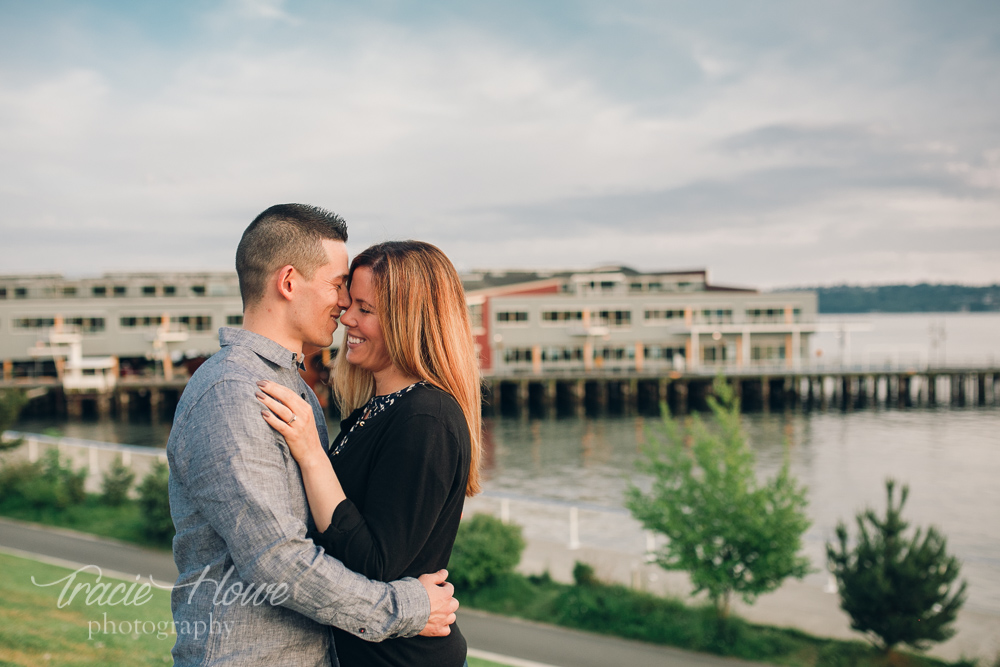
286	281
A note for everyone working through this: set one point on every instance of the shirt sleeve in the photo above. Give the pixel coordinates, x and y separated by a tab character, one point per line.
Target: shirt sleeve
237	473
411	478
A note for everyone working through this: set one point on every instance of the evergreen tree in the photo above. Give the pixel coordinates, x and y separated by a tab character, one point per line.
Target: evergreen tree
731	533
896	589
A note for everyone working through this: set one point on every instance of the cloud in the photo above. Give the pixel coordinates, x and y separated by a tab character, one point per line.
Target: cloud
576	136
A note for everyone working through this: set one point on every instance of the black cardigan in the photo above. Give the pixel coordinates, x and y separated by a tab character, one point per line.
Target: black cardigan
404	474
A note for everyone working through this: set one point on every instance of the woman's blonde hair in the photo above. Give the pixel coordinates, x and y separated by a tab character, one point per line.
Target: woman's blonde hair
425	324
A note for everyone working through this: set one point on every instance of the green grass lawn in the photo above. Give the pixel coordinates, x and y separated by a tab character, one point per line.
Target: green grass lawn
35	630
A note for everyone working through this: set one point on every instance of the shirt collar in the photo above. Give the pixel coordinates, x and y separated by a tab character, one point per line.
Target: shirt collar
262	346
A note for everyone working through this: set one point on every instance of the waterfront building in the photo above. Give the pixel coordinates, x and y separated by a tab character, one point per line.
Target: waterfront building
607	319
136	317
617	319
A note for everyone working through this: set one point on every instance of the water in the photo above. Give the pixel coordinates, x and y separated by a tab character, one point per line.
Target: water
949	457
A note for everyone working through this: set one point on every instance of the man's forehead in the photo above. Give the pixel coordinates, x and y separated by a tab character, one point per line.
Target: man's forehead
336	251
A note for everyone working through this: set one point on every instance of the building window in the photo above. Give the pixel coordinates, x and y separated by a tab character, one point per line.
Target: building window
767	352
234	320
119	290
660	352
3	292
69	290
33	322
517	354
655	315
717	316
512	316
476	315
149	290
655	287
87	324
562	315
198	290
194	322
140	321
635	287
766	315
169	290
99	290
562	354
613	318
20	292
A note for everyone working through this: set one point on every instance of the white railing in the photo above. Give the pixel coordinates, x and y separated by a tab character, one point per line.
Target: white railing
576	524
95	456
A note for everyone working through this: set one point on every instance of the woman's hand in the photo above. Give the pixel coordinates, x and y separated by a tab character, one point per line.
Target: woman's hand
292	417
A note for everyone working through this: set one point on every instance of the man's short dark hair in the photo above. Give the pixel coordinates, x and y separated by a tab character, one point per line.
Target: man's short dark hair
284	234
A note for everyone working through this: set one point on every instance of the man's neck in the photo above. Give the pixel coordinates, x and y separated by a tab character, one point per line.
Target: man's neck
265	323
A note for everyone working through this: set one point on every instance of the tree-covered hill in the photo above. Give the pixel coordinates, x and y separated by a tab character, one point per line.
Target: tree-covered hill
921	298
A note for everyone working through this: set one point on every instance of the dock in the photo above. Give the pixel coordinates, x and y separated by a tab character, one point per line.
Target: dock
596	392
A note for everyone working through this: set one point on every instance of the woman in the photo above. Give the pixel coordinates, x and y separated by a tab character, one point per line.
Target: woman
387	496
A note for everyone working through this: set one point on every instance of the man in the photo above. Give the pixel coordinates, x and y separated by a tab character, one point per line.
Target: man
253	589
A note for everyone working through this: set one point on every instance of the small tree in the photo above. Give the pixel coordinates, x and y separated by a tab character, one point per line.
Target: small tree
154	500
12	401
896	589
729	532
116	482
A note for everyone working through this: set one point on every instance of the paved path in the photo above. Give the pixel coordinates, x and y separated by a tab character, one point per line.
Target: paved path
499	635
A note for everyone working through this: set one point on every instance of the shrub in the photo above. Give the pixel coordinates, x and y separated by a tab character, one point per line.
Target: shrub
12	401
14	476
116	483
49	482
583	574
896	589
154	500
485	549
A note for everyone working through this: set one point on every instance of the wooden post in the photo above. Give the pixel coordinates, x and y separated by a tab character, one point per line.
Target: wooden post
154	403
681	390
123	401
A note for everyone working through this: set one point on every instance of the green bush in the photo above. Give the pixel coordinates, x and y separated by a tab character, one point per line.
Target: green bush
154	501
50	482
116	482
485	549
583	574
12	401
14	475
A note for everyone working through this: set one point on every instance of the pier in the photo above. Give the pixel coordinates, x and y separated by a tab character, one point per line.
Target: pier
593	393
765	388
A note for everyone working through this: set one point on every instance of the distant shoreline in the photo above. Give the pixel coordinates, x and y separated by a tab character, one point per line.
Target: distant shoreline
923	298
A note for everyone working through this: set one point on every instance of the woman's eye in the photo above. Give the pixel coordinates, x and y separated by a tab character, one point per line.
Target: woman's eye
367	312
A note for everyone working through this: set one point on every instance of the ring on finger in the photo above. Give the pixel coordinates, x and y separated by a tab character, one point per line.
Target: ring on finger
292	419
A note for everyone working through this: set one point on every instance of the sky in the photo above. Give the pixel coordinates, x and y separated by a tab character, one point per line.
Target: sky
772	143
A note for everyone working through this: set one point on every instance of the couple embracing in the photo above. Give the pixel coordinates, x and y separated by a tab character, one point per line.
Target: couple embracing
349	538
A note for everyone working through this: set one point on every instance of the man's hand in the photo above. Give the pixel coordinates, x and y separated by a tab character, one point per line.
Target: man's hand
443	604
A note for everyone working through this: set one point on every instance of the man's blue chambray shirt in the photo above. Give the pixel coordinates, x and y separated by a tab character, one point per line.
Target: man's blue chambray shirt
238	504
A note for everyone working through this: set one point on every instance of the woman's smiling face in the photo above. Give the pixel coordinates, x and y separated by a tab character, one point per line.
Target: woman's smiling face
365	344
